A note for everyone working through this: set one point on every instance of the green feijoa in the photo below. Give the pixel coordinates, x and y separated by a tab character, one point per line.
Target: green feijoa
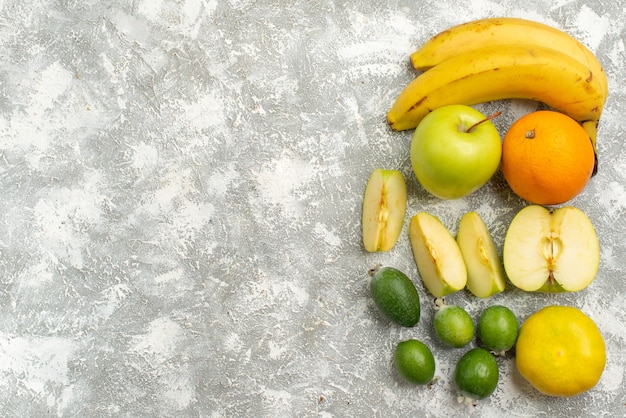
476	374
453	325
414	361
498	328
395	296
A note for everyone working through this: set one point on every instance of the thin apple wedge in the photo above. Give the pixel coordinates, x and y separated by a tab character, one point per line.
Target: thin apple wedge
485	273
384	209
437	255
551	250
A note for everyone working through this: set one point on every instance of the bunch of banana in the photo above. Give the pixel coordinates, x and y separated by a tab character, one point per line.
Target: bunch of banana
504	58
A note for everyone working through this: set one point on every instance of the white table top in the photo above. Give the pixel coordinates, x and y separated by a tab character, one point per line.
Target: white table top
181	185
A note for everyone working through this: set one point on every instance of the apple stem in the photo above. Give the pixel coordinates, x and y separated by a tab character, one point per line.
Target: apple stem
495	115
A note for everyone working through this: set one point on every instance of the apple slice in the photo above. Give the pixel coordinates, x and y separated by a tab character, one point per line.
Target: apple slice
384	209
437	255
551	250
485	274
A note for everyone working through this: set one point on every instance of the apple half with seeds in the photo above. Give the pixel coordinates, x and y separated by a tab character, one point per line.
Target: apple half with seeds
551	250
485	273
437	255
384	209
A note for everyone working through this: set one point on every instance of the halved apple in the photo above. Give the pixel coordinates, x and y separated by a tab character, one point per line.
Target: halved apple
437	255
485	274
384	209
551	250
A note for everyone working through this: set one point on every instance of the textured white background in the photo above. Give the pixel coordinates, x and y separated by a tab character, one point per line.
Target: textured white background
180	189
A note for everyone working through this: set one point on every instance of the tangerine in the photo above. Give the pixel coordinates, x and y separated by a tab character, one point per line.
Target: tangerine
547	157
560	351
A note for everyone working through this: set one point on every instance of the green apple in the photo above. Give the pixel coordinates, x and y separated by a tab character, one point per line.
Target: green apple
551	250
455	151
485	273
437	255
384	209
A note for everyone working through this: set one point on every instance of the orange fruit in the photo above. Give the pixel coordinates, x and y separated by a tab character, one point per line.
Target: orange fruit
560	351
547	157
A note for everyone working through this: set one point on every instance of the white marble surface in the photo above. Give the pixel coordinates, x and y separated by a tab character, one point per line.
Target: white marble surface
180	217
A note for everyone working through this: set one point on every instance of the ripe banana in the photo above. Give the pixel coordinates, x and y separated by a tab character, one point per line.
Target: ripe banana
504	72
504	31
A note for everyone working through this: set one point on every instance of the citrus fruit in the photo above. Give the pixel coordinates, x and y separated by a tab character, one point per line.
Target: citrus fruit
395	296
476	374
547	157
414	361
560	351
453	325
497	328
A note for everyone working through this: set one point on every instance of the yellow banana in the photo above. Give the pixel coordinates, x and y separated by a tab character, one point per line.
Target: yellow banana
504	31
504	72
